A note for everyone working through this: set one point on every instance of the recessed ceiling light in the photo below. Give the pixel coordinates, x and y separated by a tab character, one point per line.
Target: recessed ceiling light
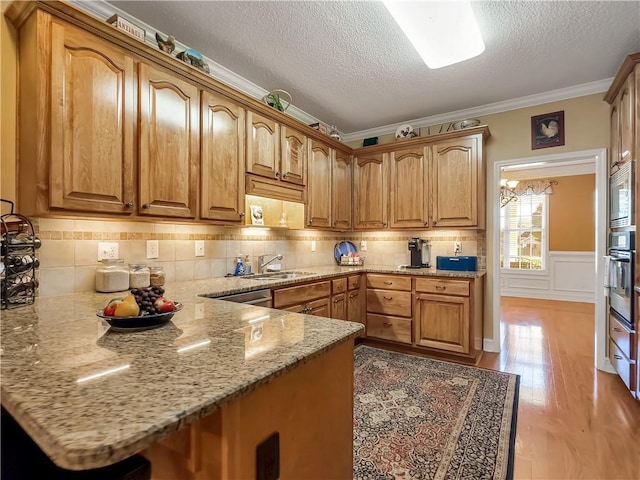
442	32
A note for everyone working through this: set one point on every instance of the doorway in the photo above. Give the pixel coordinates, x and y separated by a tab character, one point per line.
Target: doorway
599	158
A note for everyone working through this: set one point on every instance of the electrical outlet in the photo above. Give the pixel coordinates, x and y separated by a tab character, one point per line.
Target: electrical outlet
363	245
153	249
457	247
313	245
199	248
107	250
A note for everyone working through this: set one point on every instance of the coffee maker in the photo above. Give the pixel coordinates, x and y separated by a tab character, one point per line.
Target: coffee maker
420	253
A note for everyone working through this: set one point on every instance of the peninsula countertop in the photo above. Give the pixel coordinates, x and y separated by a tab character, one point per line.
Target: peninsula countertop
90	396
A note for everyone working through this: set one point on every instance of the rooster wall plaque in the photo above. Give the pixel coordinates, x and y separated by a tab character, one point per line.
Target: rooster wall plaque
547	130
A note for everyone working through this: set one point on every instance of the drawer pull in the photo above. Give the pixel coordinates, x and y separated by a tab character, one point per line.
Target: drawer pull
440	287
616	329
353	295
388	298
388	283
335	301
387	324
618	357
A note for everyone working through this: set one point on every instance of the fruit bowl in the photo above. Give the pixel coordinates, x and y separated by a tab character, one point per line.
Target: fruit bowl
143	322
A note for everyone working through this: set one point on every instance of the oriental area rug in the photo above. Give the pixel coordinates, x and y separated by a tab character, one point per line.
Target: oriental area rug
418	418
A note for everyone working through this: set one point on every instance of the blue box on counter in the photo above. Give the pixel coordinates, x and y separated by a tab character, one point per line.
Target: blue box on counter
461	263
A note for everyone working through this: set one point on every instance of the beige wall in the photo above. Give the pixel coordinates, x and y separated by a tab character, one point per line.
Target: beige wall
8	61
572	214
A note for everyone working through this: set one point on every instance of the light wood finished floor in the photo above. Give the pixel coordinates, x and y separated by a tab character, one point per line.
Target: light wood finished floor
574	422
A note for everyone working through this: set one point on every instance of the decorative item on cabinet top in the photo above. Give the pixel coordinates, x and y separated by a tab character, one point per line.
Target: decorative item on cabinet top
127	27
193	58
167	45
274	99
405	131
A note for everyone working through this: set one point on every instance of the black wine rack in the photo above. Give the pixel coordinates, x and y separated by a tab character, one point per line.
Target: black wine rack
18	282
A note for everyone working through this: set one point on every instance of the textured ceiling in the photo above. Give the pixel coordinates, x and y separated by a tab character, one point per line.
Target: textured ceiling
348	64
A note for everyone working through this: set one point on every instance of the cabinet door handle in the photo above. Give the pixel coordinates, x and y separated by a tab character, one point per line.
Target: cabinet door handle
241	214
384	224
129	205
440	287
335	301
617	357
146	206
388	298
616	329
434	222
388	283
426	223
277	174
353	295
284	175
310	221
387	324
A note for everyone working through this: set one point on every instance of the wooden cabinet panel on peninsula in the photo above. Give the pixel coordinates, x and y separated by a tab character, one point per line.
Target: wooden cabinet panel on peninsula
222	166
169	144
369	191
82	156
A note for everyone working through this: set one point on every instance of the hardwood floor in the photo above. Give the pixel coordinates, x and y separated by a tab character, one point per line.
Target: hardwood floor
574	422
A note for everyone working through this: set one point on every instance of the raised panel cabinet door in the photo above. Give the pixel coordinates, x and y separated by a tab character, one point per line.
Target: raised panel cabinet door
370	192
614	125
222	167
355	310
627	119
169	144
455	182
341	188
263	145
293	166
320	307
319	188
339	306
409	192
92	124
442	322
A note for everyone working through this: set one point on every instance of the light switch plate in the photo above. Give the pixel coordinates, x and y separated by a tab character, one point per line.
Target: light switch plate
107	250
363	245
153	249
199	248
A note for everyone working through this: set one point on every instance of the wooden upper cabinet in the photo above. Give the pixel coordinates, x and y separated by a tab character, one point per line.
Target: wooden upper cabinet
457	171
263	145
341	188
319	188
614	132
626	105
409	188
92	123
223	156
369	191
293	164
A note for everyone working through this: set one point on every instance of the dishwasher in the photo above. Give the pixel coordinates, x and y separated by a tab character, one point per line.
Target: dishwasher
259	298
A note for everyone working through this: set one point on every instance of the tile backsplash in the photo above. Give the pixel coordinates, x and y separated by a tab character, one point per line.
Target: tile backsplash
69	252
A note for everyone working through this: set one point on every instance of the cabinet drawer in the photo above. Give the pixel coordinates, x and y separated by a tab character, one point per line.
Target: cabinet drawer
623	338
389	282
389	302
389	328
339	285
354	282
437	285
624	366
300	294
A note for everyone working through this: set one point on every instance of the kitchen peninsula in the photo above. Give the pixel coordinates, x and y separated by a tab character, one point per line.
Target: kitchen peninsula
196	396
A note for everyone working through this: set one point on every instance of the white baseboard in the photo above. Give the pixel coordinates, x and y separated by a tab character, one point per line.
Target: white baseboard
489	345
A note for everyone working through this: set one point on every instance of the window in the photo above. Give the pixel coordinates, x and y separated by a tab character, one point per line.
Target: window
523	235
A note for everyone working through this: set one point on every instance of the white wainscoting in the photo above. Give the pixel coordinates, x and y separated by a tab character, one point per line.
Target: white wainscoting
570	276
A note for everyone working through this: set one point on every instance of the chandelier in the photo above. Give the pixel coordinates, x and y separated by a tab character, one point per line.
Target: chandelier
510	190
507	191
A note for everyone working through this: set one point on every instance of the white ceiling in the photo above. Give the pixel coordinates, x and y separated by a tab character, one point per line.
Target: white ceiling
347	63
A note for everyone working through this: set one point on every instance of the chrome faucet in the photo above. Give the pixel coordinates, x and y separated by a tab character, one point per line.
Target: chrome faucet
262	263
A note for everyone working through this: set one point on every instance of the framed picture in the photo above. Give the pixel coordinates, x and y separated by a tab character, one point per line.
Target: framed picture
256	215
547	130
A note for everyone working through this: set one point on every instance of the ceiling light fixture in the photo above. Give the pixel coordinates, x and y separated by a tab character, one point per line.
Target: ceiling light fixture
442	32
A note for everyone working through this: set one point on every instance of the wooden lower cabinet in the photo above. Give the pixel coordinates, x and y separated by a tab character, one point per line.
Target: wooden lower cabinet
355	307
386	327
442	322
320	308
339	306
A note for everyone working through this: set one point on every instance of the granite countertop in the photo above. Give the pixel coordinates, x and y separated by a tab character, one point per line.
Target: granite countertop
90	396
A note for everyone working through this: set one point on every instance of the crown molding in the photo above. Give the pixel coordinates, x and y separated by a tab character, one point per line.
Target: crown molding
489	109
104	10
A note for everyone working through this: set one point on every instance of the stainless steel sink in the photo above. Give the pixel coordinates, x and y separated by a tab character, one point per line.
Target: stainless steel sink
278	275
